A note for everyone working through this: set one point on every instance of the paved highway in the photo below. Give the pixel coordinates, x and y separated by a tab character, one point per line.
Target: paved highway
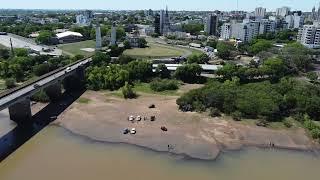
11	98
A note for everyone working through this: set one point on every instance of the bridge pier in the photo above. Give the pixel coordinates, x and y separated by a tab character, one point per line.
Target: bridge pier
76	81
54	91
20	112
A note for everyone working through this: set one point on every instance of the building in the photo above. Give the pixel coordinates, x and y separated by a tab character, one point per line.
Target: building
245	31
283	11
294	21
85	18
113	40
133	40
225	31
69	37
260	12
309	36
157	24
164	21
212	25
267	26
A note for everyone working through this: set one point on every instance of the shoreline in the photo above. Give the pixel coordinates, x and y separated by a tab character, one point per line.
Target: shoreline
191	134
185	156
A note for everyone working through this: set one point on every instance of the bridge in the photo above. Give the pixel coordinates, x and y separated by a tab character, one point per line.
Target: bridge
18	99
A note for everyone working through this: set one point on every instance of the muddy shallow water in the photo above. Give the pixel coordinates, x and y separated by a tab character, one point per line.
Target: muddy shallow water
55	153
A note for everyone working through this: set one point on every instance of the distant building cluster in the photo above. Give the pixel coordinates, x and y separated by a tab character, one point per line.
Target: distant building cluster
85	18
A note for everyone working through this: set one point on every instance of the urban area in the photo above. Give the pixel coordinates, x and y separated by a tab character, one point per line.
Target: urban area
154	94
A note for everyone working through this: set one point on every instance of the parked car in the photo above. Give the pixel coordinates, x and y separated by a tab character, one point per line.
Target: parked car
68	69
36	86
3	33
133	131
126	131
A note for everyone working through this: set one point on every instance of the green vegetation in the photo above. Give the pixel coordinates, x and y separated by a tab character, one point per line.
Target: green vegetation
10	83
188	73
128	92
198	59
75	48
154	51
160	85
83	100
193	28
259	46
224	50
45	37
41	96
254	100
23	67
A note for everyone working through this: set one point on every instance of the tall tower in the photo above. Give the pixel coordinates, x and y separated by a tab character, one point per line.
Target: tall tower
113	40
212	25
164	21
98	37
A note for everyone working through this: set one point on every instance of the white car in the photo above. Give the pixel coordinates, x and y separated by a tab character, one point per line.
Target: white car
133	131
131	118
139	118
68	69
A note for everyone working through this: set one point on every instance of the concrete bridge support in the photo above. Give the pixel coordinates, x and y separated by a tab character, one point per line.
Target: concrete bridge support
76	81
21	112
54	92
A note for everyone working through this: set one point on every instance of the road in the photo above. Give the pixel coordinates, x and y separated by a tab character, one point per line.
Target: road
21	42
11	98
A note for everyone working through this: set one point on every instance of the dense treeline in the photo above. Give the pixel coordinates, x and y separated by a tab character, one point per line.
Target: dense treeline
263	100
25	29
21	67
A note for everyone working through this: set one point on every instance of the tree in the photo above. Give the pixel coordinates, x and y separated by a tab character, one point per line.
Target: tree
41	69
4	53
162	71
142	43
198	59
224	50
296	57
128	92
188	73
139	70
100	58
21	52
44	37
194	28
212	43
274	67
10	83
123	59
126	44
312	76
260	45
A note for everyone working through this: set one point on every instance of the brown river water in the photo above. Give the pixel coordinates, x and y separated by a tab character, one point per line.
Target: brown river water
55	153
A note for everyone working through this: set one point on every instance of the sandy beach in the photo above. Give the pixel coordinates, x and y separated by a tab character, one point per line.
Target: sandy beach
196	135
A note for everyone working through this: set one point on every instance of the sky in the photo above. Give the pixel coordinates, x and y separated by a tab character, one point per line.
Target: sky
248	5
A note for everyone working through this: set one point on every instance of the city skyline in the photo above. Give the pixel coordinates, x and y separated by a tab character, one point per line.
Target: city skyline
205	5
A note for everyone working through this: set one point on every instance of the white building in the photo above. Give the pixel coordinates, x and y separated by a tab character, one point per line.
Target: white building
260	12
82	20
225	31
294	21
283	11
309	36
245	31
267	26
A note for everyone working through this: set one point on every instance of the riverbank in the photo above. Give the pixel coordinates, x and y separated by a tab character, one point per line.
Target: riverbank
103	117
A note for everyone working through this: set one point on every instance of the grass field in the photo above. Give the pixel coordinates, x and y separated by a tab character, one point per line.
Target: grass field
73	49
156	51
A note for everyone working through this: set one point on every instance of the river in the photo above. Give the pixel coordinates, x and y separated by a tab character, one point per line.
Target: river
55	153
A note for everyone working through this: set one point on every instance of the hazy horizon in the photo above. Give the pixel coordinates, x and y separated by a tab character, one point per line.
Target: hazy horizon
204	5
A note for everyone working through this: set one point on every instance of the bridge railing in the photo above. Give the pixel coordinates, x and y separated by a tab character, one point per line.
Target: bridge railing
30	82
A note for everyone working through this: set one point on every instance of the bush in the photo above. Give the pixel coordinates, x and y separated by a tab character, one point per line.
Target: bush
163	85
287	123
128	92
315	133
214	112
237	115
10	83
40	96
